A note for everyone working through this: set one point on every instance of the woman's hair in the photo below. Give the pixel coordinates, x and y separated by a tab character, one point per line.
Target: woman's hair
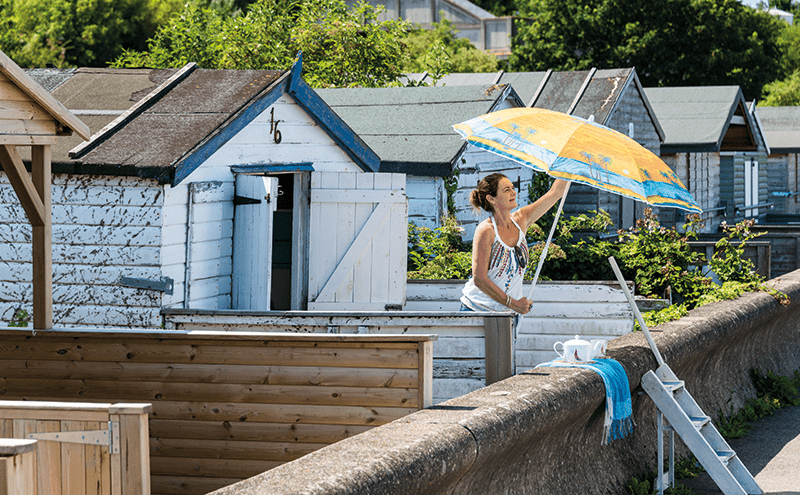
486	186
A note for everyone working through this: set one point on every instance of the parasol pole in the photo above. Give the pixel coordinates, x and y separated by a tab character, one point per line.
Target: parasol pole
549	238
636	311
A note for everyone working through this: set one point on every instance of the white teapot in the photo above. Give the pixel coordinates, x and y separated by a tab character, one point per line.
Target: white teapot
577	350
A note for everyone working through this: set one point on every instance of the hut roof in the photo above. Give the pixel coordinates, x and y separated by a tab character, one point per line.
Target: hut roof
556	90
704	119
411	128
781	126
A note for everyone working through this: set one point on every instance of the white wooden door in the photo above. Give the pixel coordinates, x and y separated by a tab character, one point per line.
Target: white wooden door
256	197
357	241
751	184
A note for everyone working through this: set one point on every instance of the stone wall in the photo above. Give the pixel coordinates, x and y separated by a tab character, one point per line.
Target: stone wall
540	431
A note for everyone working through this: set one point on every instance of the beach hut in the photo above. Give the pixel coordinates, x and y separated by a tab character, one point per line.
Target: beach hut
714	144
216	189
781	127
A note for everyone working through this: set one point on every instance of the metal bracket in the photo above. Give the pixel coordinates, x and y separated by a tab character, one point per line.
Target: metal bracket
165	284
109	436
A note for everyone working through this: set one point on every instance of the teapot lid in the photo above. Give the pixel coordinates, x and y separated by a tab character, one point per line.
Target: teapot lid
576	341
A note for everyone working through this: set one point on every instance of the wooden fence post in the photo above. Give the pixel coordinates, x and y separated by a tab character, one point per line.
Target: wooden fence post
499	348
17	466
130	468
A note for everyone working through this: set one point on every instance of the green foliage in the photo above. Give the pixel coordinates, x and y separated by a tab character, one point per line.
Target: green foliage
645	486
438	253
498	8
74	32
451	186
659	260
341	46
781	388
784	93
438	51
20	318
680	43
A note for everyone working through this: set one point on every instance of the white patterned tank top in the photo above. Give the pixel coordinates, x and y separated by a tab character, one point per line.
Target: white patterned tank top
506	269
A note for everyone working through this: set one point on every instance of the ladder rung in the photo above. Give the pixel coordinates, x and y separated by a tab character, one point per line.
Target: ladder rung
699	421
725	455
673	386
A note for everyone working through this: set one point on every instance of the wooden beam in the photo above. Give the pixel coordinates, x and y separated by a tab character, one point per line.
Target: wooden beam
22	184
42	241
42	97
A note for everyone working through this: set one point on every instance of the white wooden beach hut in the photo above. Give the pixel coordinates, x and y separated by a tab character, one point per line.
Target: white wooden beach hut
165	180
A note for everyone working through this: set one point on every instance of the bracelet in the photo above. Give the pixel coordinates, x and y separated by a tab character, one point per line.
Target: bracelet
508	301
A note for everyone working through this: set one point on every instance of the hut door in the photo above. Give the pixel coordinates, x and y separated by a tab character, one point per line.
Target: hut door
357	241
254	202
751	184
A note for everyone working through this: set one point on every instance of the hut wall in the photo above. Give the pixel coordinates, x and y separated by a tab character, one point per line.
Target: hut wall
104	228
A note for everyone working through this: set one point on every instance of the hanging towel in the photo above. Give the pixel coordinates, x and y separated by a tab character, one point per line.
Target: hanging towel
619	414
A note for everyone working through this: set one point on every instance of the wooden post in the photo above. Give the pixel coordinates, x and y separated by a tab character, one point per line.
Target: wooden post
425	374
499	348
130	471
17	466
42	241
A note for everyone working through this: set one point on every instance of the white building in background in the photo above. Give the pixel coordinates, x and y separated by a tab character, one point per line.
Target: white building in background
484	30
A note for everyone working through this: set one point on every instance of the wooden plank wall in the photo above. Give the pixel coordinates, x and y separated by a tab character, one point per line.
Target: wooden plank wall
561	310
226	406
103	228
459	359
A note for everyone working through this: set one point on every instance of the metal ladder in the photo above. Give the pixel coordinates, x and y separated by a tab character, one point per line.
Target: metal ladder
678	412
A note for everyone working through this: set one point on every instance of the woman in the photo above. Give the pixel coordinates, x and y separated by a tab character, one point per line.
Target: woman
499	249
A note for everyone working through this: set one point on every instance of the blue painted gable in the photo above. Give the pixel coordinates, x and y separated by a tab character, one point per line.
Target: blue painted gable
290	83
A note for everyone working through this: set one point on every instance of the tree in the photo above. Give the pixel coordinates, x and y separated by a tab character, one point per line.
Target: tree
498	7
341	47
74	32
677	43
785	93
439	51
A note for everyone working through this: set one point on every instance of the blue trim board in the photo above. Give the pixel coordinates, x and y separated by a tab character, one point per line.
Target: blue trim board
266	168
197	156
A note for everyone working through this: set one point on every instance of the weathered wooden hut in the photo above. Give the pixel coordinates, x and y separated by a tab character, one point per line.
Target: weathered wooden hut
31	118
781	126
613	97
713	143
182	199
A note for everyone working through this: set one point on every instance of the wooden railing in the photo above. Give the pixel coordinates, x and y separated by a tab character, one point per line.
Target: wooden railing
225	405
83	448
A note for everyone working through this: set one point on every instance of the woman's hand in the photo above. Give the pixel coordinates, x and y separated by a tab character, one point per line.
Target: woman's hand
521	306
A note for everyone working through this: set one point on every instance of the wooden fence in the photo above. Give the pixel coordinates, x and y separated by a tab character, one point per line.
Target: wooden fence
83	449
226	405
464	359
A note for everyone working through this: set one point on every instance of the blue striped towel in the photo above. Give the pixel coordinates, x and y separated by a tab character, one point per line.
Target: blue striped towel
619	414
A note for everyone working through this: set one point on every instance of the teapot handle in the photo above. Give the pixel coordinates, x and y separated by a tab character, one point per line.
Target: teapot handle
560	354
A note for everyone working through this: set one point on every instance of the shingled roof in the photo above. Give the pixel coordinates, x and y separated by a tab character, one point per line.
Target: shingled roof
556	90
96	96
703	119
411	128
781	127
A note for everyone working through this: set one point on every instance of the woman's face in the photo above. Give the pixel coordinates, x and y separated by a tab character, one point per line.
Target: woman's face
506	197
